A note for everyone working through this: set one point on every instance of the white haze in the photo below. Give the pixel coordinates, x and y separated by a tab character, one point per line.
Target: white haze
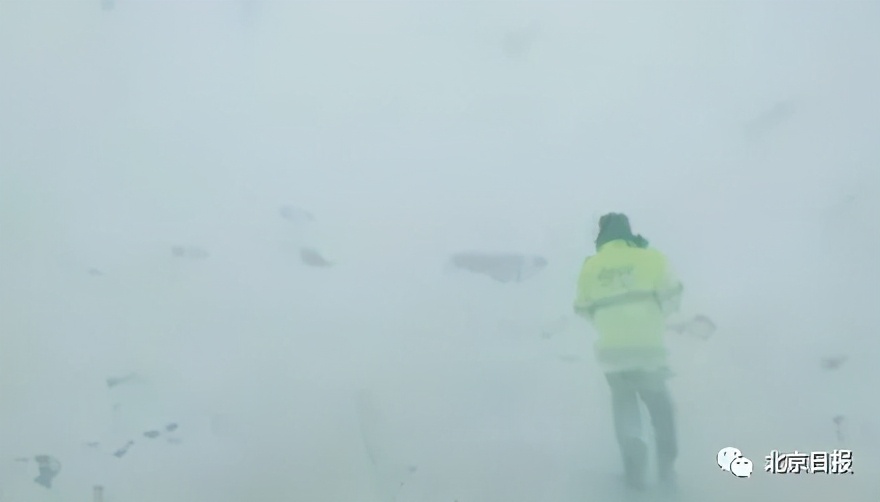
412	130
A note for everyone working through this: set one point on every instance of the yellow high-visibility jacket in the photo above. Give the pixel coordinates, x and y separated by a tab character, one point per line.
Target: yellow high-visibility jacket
627	292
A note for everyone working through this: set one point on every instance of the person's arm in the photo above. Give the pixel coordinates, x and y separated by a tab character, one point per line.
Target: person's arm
582	300
668	288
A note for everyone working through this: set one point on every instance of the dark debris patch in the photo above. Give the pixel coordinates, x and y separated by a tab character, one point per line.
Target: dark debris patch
124	450
189	252
49	468
501	267
114	381
313	258
296	214
839	425
833	362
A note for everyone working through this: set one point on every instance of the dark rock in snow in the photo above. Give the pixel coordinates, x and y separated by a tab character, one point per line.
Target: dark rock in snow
502	267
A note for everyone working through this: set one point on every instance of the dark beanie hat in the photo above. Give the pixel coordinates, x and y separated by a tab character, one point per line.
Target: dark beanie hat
615	226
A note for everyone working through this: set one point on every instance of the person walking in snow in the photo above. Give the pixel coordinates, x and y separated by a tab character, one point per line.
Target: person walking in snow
627	291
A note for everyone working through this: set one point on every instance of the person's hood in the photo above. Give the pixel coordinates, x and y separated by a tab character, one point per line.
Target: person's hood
615	226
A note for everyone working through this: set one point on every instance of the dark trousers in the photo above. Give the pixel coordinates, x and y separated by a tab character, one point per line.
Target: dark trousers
627	387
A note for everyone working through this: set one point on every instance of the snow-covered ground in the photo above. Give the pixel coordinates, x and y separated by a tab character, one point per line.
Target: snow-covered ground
740	138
